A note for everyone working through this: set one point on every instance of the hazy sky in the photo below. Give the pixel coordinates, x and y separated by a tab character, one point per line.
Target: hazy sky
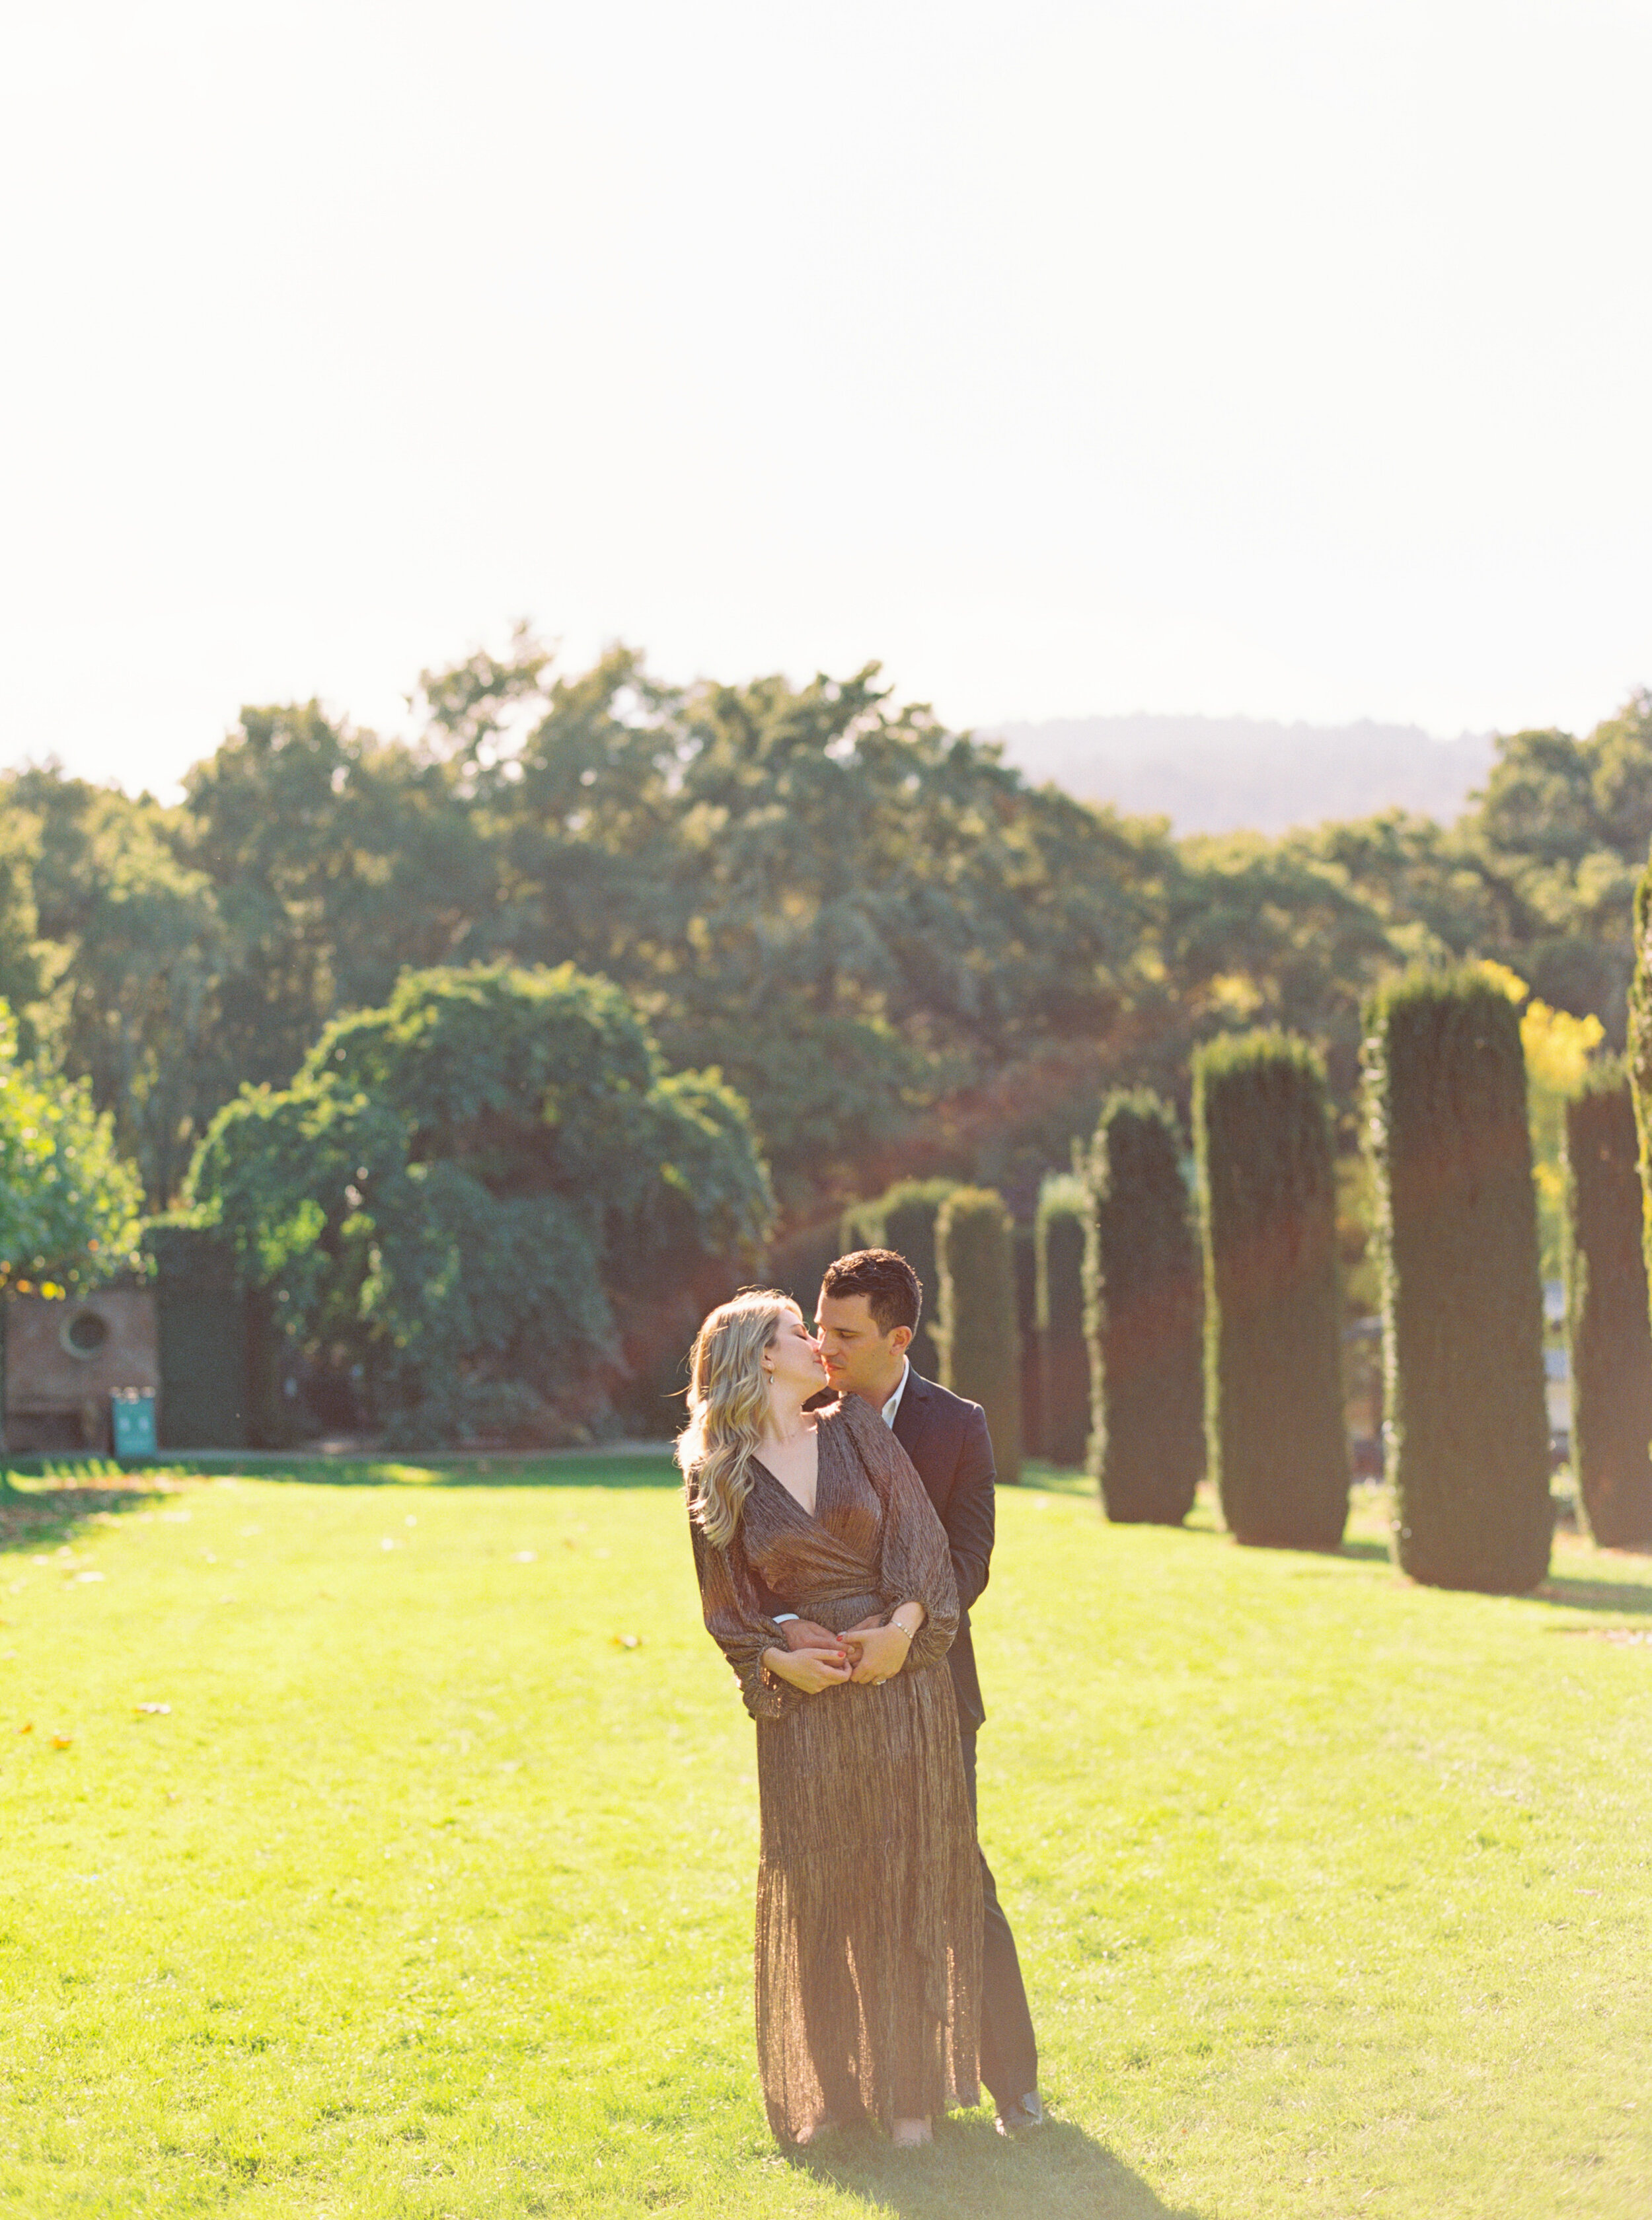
1067	356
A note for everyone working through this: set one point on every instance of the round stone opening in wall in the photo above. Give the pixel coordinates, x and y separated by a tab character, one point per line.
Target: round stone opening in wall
84	1333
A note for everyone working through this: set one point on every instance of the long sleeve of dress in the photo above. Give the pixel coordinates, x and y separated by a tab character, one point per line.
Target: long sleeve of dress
737	1623
917	1563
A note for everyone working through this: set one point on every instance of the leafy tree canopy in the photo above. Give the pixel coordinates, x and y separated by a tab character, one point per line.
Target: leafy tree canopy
482	1191
69	1207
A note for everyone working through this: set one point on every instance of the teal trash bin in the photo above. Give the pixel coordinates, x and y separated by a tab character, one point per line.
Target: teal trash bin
133	1412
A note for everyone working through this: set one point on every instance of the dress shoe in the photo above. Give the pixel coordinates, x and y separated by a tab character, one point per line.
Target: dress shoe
1026	2112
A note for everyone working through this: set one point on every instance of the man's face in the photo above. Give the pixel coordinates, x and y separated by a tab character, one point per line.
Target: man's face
860	1360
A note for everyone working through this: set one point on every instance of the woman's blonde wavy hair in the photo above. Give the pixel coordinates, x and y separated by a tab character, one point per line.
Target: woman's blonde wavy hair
728	1407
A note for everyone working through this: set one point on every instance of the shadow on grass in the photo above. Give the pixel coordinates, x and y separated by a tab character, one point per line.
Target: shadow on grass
51	1514
972	2173
1576	1593
35	1478
1370	1553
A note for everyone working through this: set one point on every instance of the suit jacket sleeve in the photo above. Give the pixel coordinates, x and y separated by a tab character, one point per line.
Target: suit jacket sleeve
971	1509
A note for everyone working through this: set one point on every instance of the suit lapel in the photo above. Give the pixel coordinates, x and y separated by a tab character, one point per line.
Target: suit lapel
911	1423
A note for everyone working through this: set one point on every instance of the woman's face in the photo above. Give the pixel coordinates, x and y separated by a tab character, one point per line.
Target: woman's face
793	1359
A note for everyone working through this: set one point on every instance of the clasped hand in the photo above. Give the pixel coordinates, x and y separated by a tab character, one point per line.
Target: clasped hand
816	1658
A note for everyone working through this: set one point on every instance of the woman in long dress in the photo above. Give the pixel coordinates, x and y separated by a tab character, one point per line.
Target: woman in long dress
868	1884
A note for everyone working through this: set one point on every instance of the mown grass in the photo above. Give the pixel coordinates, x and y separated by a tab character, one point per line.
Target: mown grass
428	1896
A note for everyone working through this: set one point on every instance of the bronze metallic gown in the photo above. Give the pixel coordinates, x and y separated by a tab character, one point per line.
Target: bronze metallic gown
868	1884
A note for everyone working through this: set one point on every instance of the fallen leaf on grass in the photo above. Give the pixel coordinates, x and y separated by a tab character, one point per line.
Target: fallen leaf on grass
154	1711
27	1727
625	1641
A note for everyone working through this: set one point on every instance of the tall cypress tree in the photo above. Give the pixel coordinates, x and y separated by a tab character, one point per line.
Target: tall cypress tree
1059	1233
1639	1056
1278	1442
1607	1332
1142	1316
1026	1324
1466	1428
980	1355
797	1264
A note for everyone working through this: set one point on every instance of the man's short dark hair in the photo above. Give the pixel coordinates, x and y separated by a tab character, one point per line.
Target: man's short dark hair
893	1292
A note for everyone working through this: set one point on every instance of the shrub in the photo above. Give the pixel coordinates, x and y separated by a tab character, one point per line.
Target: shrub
903	1219
1277	1444
1064	1362
796	1263
1026	1325
1467	1430
1606	1325
1141	1316
980	1357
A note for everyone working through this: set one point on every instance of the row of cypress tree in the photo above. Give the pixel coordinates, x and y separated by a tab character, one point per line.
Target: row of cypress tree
1166	1342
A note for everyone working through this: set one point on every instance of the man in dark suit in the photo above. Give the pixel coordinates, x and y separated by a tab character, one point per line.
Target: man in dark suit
868	1312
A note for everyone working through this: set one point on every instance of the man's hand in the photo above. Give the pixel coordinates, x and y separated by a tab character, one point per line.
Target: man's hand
805	1633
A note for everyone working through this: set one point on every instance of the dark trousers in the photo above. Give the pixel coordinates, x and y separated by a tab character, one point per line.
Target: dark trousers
1009	2050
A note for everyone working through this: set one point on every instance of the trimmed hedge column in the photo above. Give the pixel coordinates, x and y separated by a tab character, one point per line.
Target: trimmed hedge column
1606	1327
903	1219
1026	1324
980	1355
1277	1441
1466	1428
1063	1361
1142	1306
797	1264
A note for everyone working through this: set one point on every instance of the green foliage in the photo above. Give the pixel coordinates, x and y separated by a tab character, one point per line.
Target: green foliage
1026	1327
796	1264
1142	1316
1606	1315
492	1193
980	1346
1278	1446
1059	1234
69	1207
875	929
1467	1431
902	1218
1638	1057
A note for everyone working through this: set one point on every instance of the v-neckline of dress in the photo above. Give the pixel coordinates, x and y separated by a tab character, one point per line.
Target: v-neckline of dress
814	1517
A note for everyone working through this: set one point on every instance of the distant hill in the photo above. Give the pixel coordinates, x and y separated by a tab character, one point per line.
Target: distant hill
1220	774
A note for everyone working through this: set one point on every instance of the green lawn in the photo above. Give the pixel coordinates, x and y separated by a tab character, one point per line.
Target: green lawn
428	1896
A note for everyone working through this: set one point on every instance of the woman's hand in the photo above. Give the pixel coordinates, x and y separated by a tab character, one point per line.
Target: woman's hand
808	1670
883	1651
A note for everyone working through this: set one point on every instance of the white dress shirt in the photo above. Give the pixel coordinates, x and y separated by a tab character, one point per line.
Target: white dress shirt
891	1409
